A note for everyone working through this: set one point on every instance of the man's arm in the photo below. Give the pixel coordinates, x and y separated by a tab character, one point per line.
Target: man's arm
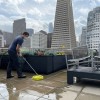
18	49
19	44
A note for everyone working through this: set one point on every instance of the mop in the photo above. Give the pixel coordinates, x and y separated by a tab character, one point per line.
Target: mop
36	77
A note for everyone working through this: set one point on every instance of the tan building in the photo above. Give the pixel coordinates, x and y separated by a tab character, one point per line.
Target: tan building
64	32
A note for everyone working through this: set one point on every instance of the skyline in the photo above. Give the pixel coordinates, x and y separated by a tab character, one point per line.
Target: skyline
39	13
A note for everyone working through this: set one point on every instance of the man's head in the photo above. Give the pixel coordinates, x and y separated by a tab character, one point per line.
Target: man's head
25	34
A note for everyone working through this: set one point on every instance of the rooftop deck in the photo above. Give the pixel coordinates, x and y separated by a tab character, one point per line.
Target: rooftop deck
53	87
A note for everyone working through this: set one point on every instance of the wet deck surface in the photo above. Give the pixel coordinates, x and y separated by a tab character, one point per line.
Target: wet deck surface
53	87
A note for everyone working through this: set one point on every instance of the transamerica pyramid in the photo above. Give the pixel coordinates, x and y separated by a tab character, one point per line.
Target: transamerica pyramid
64	31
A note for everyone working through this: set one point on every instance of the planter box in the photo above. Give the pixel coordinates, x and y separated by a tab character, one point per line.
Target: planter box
59	62
4	60
45	64
42	64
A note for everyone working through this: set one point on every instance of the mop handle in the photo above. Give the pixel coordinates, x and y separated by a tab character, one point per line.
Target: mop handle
30	66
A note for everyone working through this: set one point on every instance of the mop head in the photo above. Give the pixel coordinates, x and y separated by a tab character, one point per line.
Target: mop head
37	77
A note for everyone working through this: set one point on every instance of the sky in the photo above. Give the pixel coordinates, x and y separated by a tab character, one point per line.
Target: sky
39	13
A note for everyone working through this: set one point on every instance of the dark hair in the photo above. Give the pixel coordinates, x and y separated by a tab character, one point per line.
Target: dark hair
25	33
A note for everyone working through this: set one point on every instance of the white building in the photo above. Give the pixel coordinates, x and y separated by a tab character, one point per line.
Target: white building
93	29
27	42
39	40
83	36
8	37
2	41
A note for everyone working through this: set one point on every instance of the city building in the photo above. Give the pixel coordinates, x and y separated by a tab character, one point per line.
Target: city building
64	31
39	40
8	38
1	32
27	42
1	39
78	43
49	40
30	31
50	28
93	29
19	26
83	36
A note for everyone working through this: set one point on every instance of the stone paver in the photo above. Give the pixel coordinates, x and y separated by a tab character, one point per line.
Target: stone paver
68	95
77	88
92	90
88	97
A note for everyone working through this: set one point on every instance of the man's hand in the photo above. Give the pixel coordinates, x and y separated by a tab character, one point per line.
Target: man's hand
18	50
19	54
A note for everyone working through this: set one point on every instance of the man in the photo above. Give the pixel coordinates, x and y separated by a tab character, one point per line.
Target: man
14	53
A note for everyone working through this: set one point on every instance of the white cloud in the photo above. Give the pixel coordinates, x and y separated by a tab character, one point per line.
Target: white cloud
78	22
35	11
49	9
84	11
1	1
9	9
78	25
4	20
39	1
15	2
37	25
92	3
5	23
97	0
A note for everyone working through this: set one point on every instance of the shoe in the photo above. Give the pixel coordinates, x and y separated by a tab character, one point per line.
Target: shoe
10	76
23	76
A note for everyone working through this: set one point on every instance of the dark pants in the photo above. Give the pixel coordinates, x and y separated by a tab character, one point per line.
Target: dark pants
14	62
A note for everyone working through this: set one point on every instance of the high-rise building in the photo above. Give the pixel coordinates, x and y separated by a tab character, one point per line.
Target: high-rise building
93	29
64	32
30	31
39	40
83	36
50	27
19	26
49	39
